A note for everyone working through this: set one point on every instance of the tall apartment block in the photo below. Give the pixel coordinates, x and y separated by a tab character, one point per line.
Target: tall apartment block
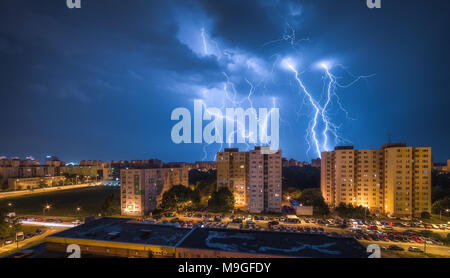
232	173
254	177
393	180
142	189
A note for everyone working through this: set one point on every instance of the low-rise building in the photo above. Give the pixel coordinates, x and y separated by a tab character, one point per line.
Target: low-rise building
34	183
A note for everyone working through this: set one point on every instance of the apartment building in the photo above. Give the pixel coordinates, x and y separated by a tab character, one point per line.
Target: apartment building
394	180
142	189
254	177
232	173
264	180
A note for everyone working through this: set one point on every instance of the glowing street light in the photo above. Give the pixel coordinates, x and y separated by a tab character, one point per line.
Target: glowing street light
46	207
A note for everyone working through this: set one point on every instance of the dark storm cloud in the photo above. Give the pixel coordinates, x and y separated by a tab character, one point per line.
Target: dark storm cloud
250	24
100	82
58	45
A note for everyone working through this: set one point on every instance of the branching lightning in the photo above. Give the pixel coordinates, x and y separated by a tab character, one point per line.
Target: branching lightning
316	139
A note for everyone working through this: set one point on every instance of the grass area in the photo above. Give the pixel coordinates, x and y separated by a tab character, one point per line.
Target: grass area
435	219
63	203
31	229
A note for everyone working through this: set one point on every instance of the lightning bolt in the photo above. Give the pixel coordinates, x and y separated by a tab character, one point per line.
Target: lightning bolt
315	139
313	103
231	96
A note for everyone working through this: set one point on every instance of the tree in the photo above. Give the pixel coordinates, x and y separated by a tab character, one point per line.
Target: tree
8	229
349	211
313	197
425	215
440	206
111	205
206	188
179	198
221	201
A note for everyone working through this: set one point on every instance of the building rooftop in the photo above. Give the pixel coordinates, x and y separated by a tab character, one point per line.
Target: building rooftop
274	243
126	230
285	244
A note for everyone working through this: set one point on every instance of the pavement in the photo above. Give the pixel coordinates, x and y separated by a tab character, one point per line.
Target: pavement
6	249
431	249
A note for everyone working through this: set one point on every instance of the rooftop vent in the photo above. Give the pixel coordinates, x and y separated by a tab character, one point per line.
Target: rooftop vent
113	234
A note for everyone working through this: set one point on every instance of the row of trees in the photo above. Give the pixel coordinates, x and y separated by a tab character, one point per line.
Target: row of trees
203	193
8	229
181	198
440	194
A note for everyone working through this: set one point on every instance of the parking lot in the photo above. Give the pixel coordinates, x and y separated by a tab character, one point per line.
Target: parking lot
35	230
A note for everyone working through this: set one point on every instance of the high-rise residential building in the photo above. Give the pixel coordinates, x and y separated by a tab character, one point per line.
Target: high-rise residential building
394	180
264	180
232	173
254	177
142	189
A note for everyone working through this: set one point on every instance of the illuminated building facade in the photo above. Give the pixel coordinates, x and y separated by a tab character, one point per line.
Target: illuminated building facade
142	189
254	177
393	180
232	173
35	183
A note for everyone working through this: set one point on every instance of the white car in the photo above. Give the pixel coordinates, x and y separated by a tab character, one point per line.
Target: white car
435	226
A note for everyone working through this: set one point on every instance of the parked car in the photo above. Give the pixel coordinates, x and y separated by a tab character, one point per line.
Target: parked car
414	249
29	235
395	248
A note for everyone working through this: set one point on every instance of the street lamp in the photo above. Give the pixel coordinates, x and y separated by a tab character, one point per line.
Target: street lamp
46	207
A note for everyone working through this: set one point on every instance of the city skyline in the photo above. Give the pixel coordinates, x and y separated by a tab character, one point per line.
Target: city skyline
68	99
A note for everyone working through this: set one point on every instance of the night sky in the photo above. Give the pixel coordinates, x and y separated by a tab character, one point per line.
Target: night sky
101	82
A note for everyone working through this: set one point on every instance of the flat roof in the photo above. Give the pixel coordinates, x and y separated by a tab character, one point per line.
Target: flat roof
288	244
125	230
274	243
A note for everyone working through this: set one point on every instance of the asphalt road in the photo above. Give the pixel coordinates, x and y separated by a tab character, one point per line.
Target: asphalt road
27	242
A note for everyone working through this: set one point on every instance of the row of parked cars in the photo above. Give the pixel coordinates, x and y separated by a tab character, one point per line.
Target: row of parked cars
9	241
393	236
394	247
